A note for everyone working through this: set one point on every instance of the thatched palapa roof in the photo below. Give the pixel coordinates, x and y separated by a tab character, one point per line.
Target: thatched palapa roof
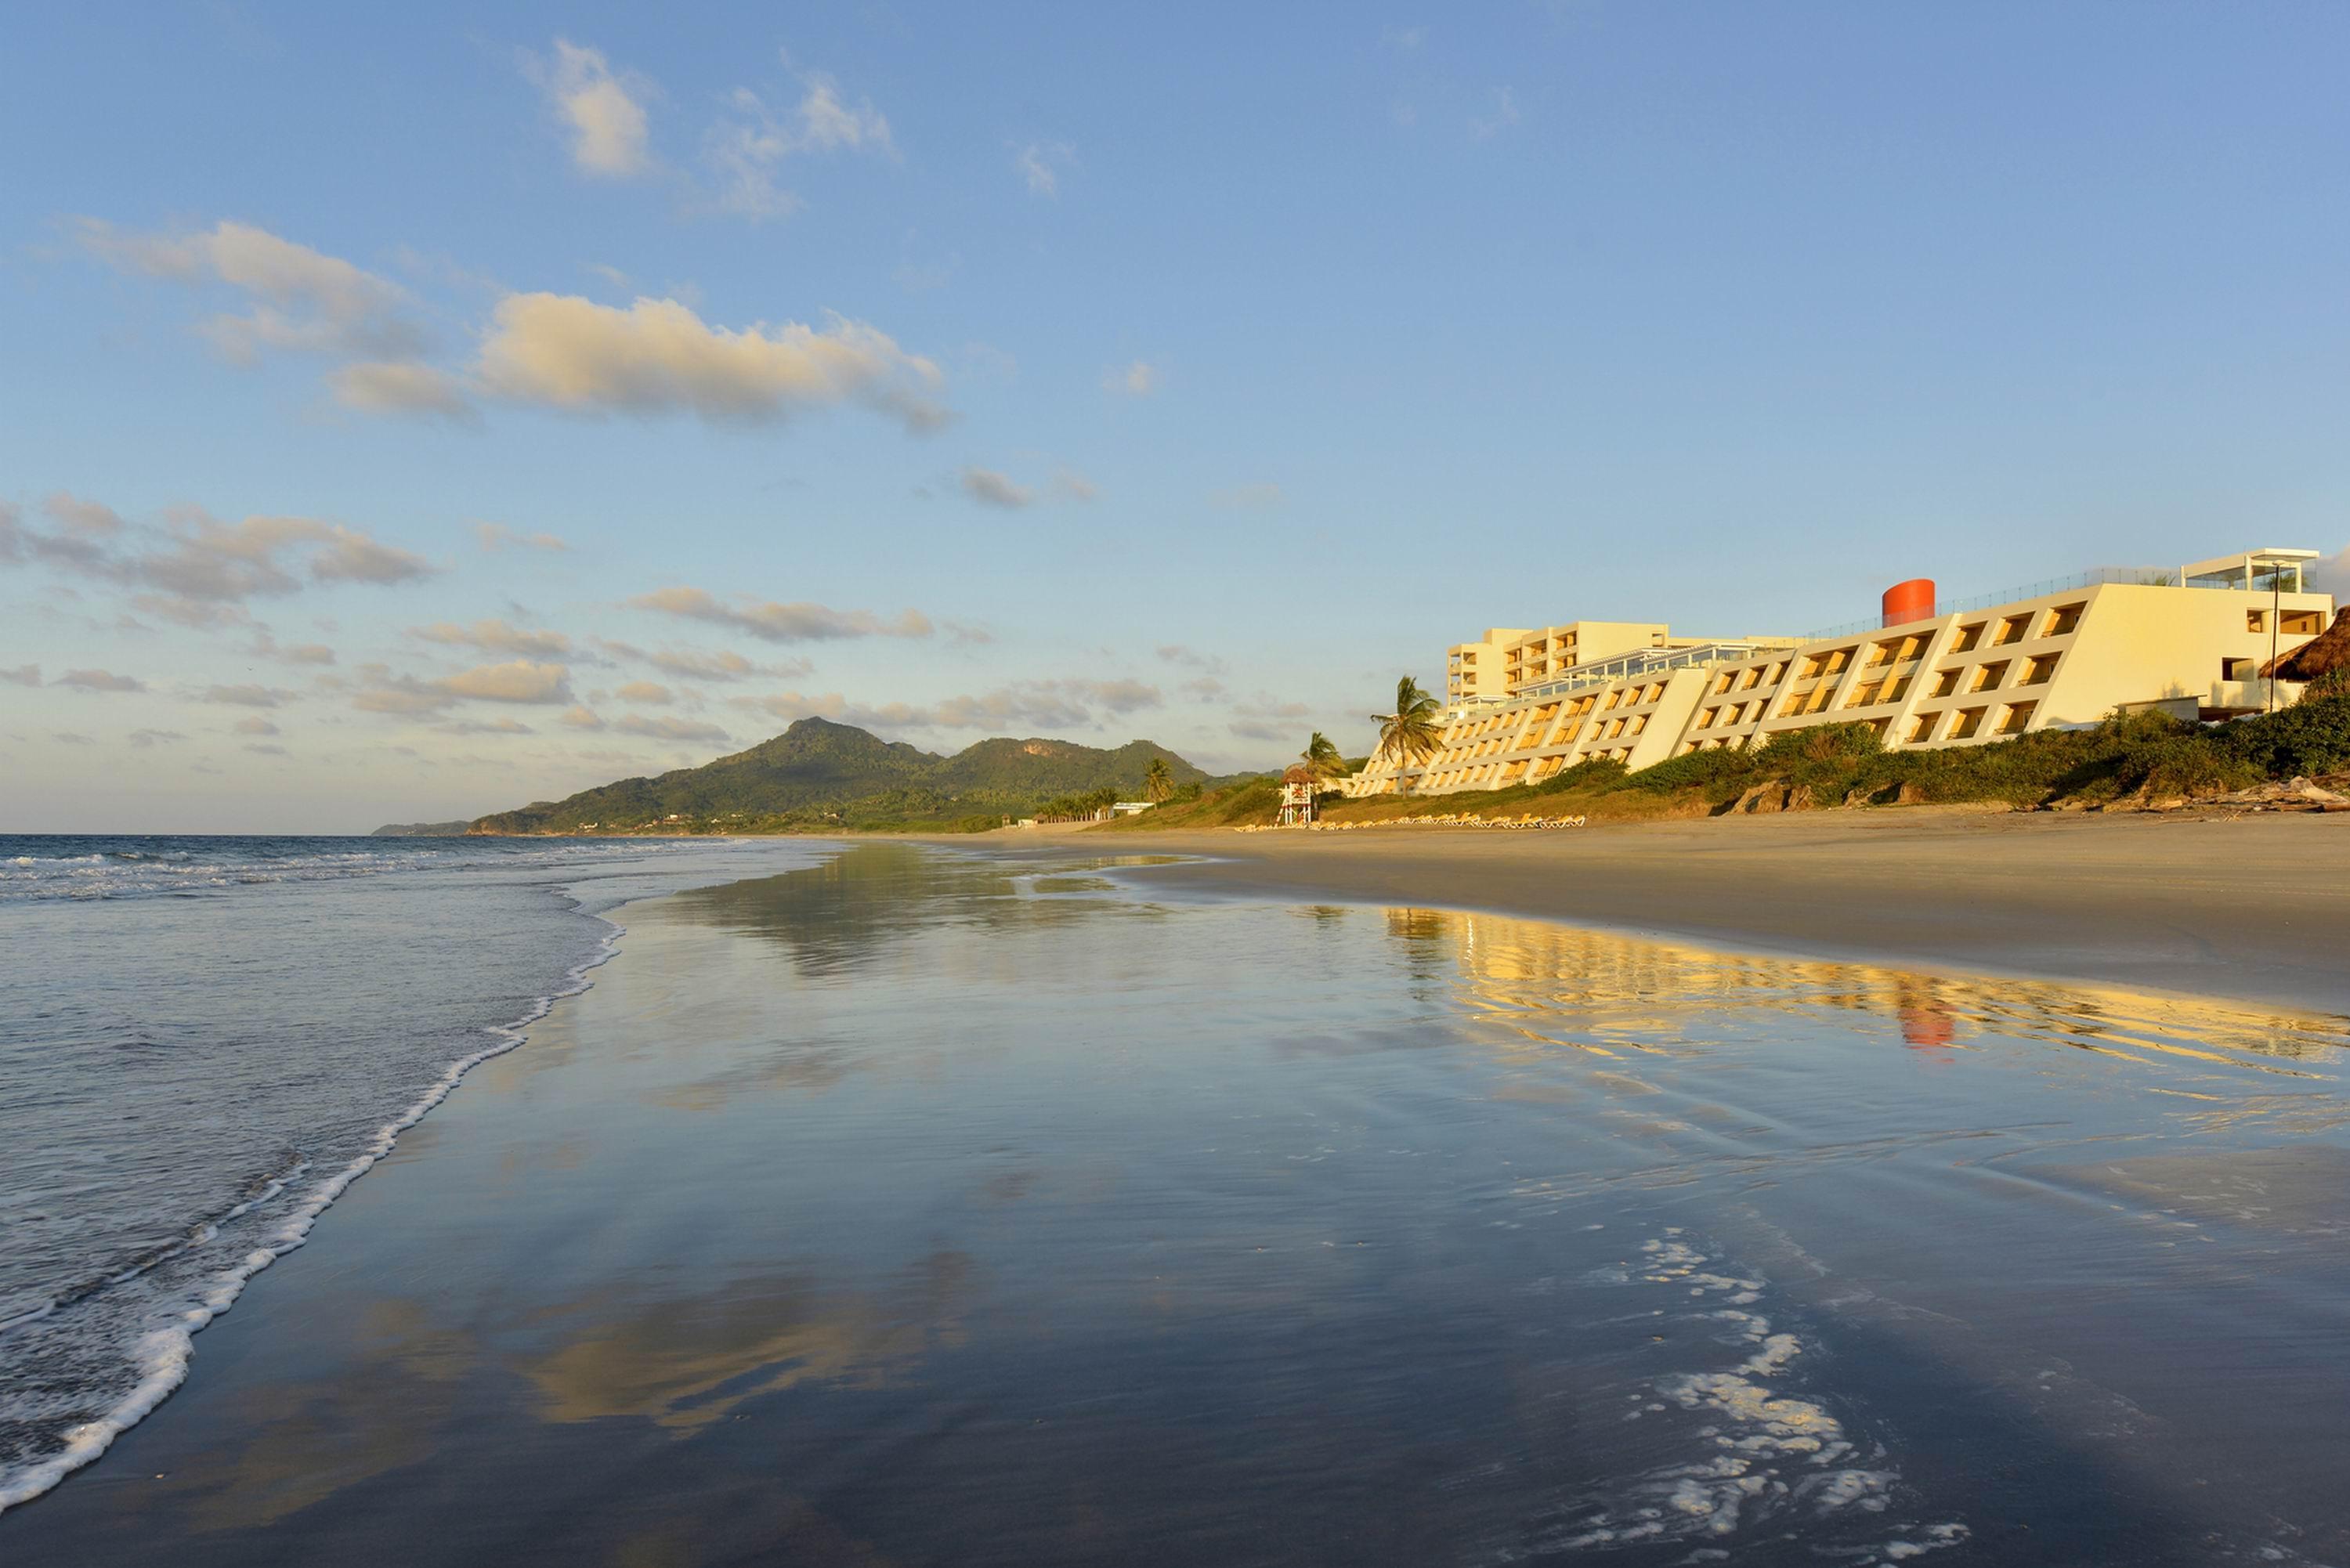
1298	773
2329	649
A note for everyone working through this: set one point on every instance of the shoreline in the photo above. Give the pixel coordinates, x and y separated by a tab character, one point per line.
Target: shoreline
2252	910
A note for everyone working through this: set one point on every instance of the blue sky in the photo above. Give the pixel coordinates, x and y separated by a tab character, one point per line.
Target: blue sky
409	415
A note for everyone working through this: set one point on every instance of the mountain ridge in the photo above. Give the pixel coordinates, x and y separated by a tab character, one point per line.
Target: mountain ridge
819	772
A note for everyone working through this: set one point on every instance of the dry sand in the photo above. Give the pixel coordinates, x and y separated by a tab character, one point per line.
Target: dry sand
2251	907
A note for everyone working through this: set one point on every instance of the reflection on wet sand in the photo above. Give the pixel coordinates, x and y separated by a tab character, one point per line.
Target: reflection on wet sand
1632	995
683	1361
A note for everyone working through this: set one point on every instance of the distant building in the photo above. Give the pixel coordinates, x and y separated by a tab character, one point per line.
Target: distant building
1132	807
2052	656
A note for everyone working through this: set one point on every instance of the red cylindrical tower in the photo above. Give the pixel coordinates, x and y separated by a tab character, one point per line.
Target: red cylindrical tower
1906	602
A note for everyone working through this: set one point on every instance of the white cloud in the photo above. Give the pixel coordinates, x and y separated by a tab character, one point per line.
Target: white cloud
299	298
485	727
251	696
1139	379
746	150
89	519
1068	484
517	681
1248	497
23	675
268	647
652	693
1504	115
772	622
580	717
989	487
496	637
494	536
98	680
197	570
256	725
1040	164
668	728
722	666
1178	653
400	387
603	115
657	357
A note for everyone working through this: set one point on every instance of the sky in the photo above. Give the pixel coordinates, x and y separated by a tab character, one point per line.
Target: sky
408	413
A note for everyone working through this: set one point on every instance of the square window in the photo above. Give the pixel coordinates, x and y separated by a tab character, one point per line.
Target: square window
2013	628
2036	673
1945	682
1988	678
2017	716
1968	637
2256	620
1921	728
1969	721
2063	620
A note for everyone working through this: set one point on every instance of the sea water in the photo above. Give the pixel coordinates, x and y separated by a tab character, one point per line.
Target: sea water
205	1040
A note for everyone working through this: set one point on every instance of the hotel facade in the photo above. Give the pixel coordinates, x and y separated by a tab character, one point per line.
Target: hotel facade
1522	705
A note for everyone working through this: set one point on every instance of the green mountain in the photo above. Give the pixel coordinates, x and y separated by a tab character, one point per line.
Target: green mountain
421	830
818	772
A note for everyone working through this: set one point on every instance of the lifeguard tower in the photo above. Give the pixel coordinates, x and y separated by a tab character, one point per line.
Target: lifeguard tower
1298	786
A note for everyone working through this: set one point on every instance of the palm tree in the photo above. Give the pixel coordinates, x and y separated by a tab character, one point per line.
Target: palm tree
1321	755
1157	781
1409	736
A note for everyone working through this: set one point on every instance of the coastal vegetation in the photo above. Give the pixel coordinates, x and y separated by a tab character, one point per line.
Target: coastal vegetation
2143	758
1410	734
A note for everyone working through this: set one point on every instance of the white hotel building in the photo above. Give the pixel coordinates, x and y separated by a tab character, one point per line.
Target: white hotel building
1524	704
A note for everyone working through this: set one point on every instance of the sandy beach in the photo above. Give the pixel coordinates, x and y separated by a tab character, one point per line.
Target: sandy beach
926	1205
2254	908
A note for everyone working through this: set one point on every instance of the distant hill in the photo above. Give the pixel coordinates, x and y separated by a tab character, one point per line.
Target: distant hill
421	830
818	772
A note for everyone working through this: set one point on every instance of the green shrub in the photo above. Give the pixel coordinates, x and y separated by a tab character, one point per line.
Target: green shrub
2187	765
2313	736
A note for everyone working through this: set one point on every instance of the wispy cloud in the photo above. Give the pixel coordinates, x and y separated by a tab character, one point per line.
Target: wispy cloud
773	622
517	681
1062	704
1040	163
602	114
1139	379
990	488
746	147
98	680
1403	40
296	298
722	666
197	570
250	696
669	729
1505	115
23	675
496	637
256	725
496	536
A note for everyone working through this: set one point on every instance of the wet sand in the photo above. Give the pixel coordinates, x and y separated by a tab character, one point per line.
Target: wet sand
925	1208
2254	908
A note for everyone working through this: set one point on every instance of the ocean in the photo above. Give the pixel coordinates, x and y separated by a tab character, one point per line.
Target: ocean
205	1040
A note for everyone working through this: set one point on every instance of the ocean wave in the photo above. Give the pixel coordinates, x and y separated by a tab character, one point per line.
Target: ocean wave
161	1355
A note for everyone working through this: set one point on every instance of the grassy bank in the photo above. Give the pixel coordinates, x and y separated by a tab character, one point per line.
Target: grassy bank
2144	759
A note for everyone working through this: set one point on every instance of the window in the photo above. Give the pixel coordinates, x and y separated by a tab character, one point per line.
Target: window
1640	723
1883	653
1752	676
1705	720
1840	660
1615	727
1898	690
2236	668
2063	620
1794	705
1988	678
1723	684
2013	628
1969	720
1779	671
1822	697
2256	620
1968	637
1813	666
1945	682
2035	673
2298	623
1864	695
2017	716
1921	728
